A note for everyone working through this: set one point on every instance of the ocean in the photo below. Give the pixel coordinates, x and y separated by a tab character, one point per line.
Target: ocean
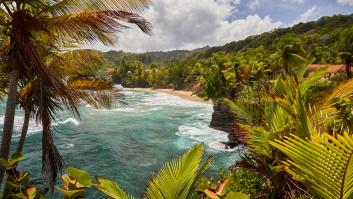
129	143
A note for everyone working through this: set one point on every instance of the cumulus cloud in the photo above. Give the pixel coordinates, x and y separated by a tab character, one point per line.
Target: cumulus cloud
345	2
295	1
254	4
189	24
307	16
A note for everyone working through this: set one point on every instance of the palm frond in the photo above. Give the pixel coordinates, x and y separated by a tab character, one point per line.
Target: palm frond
93	26
96	99
176	179
324	163
313	79
328	111
63	7
111	189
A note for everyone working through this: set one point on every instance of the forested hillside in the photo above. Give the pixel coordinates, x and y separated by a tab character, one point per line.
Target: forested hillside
206	70
320	39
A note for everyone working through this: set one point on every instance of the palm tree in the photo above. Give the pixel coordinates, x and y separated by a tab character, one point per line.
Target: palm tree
323	163
27	24
291	57
176	179
347	51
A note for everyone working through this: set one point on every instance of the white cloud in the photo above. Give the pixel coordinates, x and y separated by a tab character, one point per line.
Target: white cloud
295	1
254	4
345	2
189	24
307	16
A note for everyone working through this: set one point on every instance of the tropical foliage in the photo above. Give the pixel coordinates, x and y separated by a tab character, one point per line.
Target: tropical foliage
324	164
176	179
32	35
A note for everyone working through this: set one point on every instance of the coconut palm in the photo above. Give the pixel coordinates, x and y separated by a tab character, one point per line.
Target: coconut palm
63	67
176	179
27	24
347	51
323	163
291	57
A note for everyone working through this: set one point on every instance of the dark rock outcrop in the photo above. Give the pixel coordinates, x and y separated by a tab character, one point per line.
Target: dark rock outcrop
223	120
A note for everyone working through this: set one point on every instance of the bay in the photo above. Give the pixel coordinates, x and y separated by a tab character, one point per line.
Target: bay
129	143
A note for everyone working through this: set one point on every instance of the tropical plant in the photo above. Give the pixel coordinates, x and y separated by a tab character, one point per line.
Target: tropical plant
175	180
290	56
323	163
346	47
37	28
220	191
19	184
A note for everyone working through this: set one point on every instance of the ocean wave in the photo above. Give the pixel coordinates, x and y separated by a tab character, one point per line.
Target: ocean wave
33	126
201	133
118	86
219	146
127	92
68	120
120	109
66	146
163	99
129	109
148	163
203	116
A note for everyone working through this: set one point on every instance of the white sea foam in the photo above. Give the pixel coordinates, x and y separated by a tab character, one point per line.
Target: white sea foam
203	116
67	146
33	126
218	146
120	109
148	163
163	99
199	132
118	86
68	120
127	92
18	122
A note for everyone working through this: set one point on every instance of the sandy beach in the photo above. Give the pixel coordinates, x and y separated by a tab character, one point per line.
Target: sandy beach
188	95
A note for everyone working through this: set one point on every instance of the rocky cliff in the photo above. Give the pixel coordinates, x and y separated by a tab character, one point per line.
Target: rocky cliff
223	120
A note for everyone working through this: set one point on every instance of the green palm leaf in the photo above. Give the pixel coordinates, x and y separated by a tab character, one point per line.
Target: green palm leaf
324	164
77	6
111	189
176	179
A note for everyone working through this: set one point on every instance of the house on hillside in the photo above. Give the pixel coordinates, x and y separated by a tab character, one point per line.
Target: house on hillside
109	70
331	69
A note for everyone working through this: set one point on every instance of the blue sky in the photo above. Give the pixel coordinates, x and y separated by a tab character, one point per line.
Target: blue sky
190	24
288	11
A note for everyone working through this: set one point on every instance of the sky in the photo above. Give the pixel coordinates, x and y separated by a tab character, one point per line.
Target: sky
191	24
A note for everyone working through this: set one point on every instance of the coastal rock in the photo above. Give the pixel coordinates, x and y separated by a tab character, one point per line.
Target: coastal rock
223	120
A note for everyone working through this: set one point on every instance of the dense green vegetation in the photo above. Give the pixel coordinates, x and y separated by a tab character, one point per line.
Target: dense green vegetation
203	70
296	126
38	74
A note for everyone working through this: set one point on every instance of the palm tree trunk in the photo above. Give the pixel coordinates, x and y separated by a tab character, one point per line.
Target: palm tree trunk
9	119
349	67
24	131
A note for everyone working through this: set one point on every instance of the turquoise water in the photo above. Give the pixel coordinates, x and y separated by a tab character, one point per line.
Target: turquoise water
129	143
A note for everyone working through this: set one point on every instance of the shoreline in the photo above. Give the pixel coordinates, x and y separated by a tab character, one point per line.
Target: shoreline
187	95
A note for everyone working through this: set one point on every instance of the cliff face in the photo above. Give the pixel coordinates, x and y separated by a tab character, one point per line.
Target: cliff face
223	120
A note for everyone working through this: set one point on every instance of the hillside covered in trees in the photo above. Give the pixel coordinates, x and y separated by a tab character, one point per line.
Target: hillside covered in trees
290	123
319	37
206	69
